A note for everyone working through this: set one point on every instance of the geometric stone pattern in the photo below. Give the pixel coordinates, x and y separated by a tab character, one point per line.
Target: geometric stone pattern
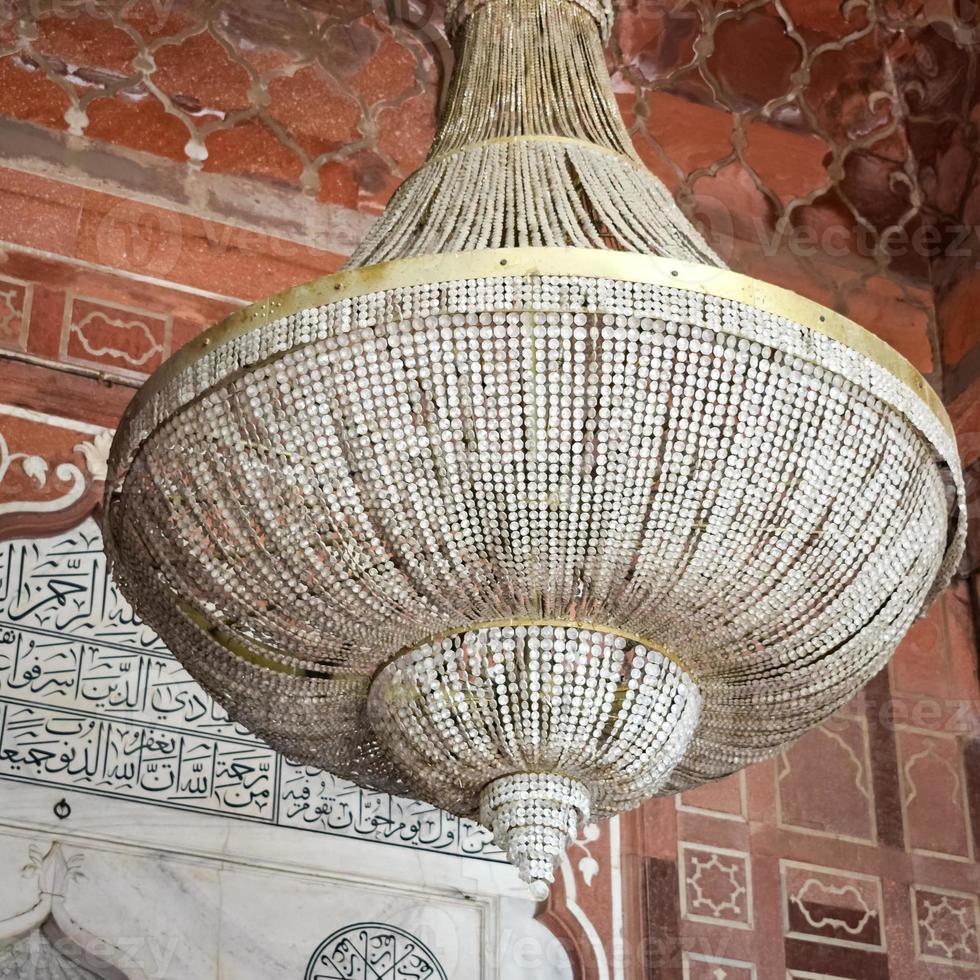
824	783
837	907
724	800
698	967
935	795
335	99
102	334
15	312
874	883
947	926
717	886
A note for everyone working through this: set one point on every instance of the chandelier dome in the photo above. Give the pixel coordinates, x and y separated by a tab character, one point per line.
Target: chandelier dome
535	510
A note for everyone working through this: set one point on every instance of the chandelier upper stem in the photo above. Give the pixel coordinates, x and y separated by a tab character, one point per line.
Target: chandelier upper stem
531	149
531	68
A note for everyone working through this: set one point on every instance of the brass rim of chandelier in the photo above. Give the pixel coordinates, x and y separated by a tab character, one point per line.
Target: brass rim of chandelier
431	269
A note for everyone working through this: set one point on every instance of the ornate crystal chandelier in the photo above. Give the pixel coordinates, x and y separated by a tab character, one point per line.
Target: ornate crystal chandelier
535	510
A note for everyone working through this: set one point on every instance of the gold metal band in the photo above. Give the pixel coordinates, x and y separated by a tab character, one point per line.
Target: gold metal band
236	648
633	638
585	262
225	638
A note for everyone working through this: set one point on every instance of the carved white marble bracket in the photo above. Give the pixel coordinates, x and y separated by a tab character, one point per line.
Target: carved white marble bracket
52	472
44	941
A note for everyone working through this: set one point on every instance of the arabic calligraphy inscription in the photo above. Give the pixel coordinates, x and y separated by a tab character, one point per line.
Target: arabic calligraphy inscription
373	951
90	699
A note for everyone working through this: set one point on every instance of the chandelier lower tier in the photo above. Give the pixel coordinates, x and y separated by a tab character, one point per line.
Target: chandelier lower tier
557	517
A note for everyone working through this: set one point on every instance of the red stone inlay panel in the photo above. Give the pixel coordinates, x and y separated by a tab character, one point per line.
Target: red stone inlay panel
126	338
824	782
947	925
725	799
934	795
826	905
716	886
705	967
15	312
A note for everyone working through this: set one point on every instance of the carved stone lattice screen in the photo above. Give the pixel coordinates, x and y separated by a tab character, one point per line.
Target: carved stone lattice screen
842	144
317	95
